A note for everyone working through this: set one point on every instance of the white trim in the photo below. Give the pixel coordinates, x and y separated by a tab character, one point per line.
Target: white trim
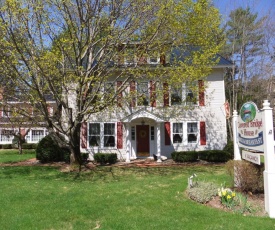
185	133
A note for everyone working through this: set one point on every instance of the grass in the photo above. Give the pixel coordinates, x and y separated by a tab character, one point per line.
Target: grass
112	198
12	155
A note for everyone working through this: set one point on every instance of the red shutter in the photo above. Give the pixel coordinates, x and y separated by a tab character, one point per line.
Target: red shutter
153	93
119	95
167	131
162	59
83	136
133	93
202	133
165	94
119	135
201	93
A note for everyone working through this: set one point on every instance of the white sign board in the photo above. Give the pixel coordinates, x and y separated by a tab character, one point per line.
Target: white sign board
250	127
252	157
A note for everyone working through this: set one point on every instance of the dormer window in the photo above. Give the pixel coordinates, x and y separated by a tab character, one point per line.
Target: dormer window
153	60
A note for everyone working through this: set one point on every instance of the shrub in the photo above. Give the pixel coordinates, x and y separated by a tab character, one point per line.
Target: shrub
202	192
7	146
214	155
48	150
85	157
104	158
229	148
34	146
27	146
188	156
246	176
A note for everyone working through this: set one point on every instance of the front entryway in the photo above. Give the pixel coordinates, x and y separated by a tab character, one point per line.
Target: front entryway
143	145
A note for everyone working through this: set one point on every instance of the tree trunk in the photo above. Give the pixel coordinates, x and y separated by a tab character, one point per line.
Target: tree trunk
75	157
20	143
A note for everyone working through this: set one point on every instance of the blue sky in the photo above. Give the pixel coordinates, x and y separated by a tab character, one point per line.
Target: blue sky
262	7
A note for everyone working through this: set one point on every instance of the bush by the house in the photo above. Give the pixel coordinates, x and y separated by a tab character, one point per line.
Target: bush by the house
48	150
229	148
105	158
7	146
186	156
202	192
215	155
34	146
246	176
27	146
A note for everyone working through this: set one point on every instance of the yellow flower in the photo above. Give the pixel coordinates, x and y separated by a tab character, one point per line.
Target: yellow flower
228	197
224	192
233	194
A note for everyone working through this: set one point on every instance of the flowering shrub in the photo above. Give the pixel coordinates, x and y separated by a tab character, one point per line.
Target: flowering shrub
227	196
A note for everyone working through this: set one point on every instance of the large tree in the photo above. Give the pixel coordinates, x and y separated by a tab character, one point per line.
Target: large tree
70	48
244	46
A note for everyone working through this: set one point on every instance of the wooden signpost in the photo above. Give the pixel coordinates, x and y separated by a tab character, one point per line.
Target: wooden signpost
253	130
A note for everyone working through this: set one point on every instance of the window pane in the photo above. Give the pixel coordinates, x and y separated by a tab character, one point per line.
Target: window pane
177	132
94	129
192	132
109	129
176	95
192	127
94	134
143	93
109	135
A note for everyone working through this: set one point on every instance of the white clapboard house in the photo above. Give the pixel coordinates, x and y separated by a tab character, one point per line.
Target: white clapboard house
158	126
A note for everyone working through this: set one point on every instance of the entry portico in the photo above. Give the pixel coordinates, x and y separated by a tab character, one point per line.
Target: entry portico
143	135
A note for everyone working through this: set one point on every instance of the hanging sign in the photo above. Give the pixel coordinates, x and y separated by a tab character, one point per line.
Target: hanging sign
250	127
252	157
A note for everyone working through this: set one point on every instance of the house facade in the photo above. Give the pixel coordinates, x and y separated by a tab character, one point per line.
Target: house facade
155	126
17	117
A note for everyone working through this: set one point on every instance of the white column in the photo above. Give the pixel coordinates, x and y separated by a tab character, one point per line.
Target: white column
237	155
128	144
158	143
269	157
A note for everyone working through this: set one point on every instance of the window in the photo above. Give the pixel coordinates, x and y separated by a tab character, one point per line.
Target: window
177	133
185	132
109	135
192	132
133	133
152	133
37	135
109	90
176	95
102	135
143	93
180	94
153	59
129	56
94	134
6	135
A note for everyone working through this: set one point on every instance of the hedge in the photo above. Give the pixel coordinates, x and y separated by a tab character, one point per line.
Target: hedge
214	155
206	155
104	158
185	156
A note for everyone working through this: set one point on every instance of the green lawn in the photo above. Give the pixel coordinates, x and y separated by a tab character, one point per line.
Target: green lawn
12	155
112	198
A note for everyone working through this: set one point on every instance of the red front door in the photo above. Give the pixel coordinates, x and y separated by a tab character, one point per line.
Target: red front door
143	145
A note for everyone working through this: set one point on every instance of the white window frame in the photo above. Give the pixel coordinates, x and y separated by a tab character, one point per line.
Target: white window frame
31	138
186	130
6	139
102	135
138	96
183	93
